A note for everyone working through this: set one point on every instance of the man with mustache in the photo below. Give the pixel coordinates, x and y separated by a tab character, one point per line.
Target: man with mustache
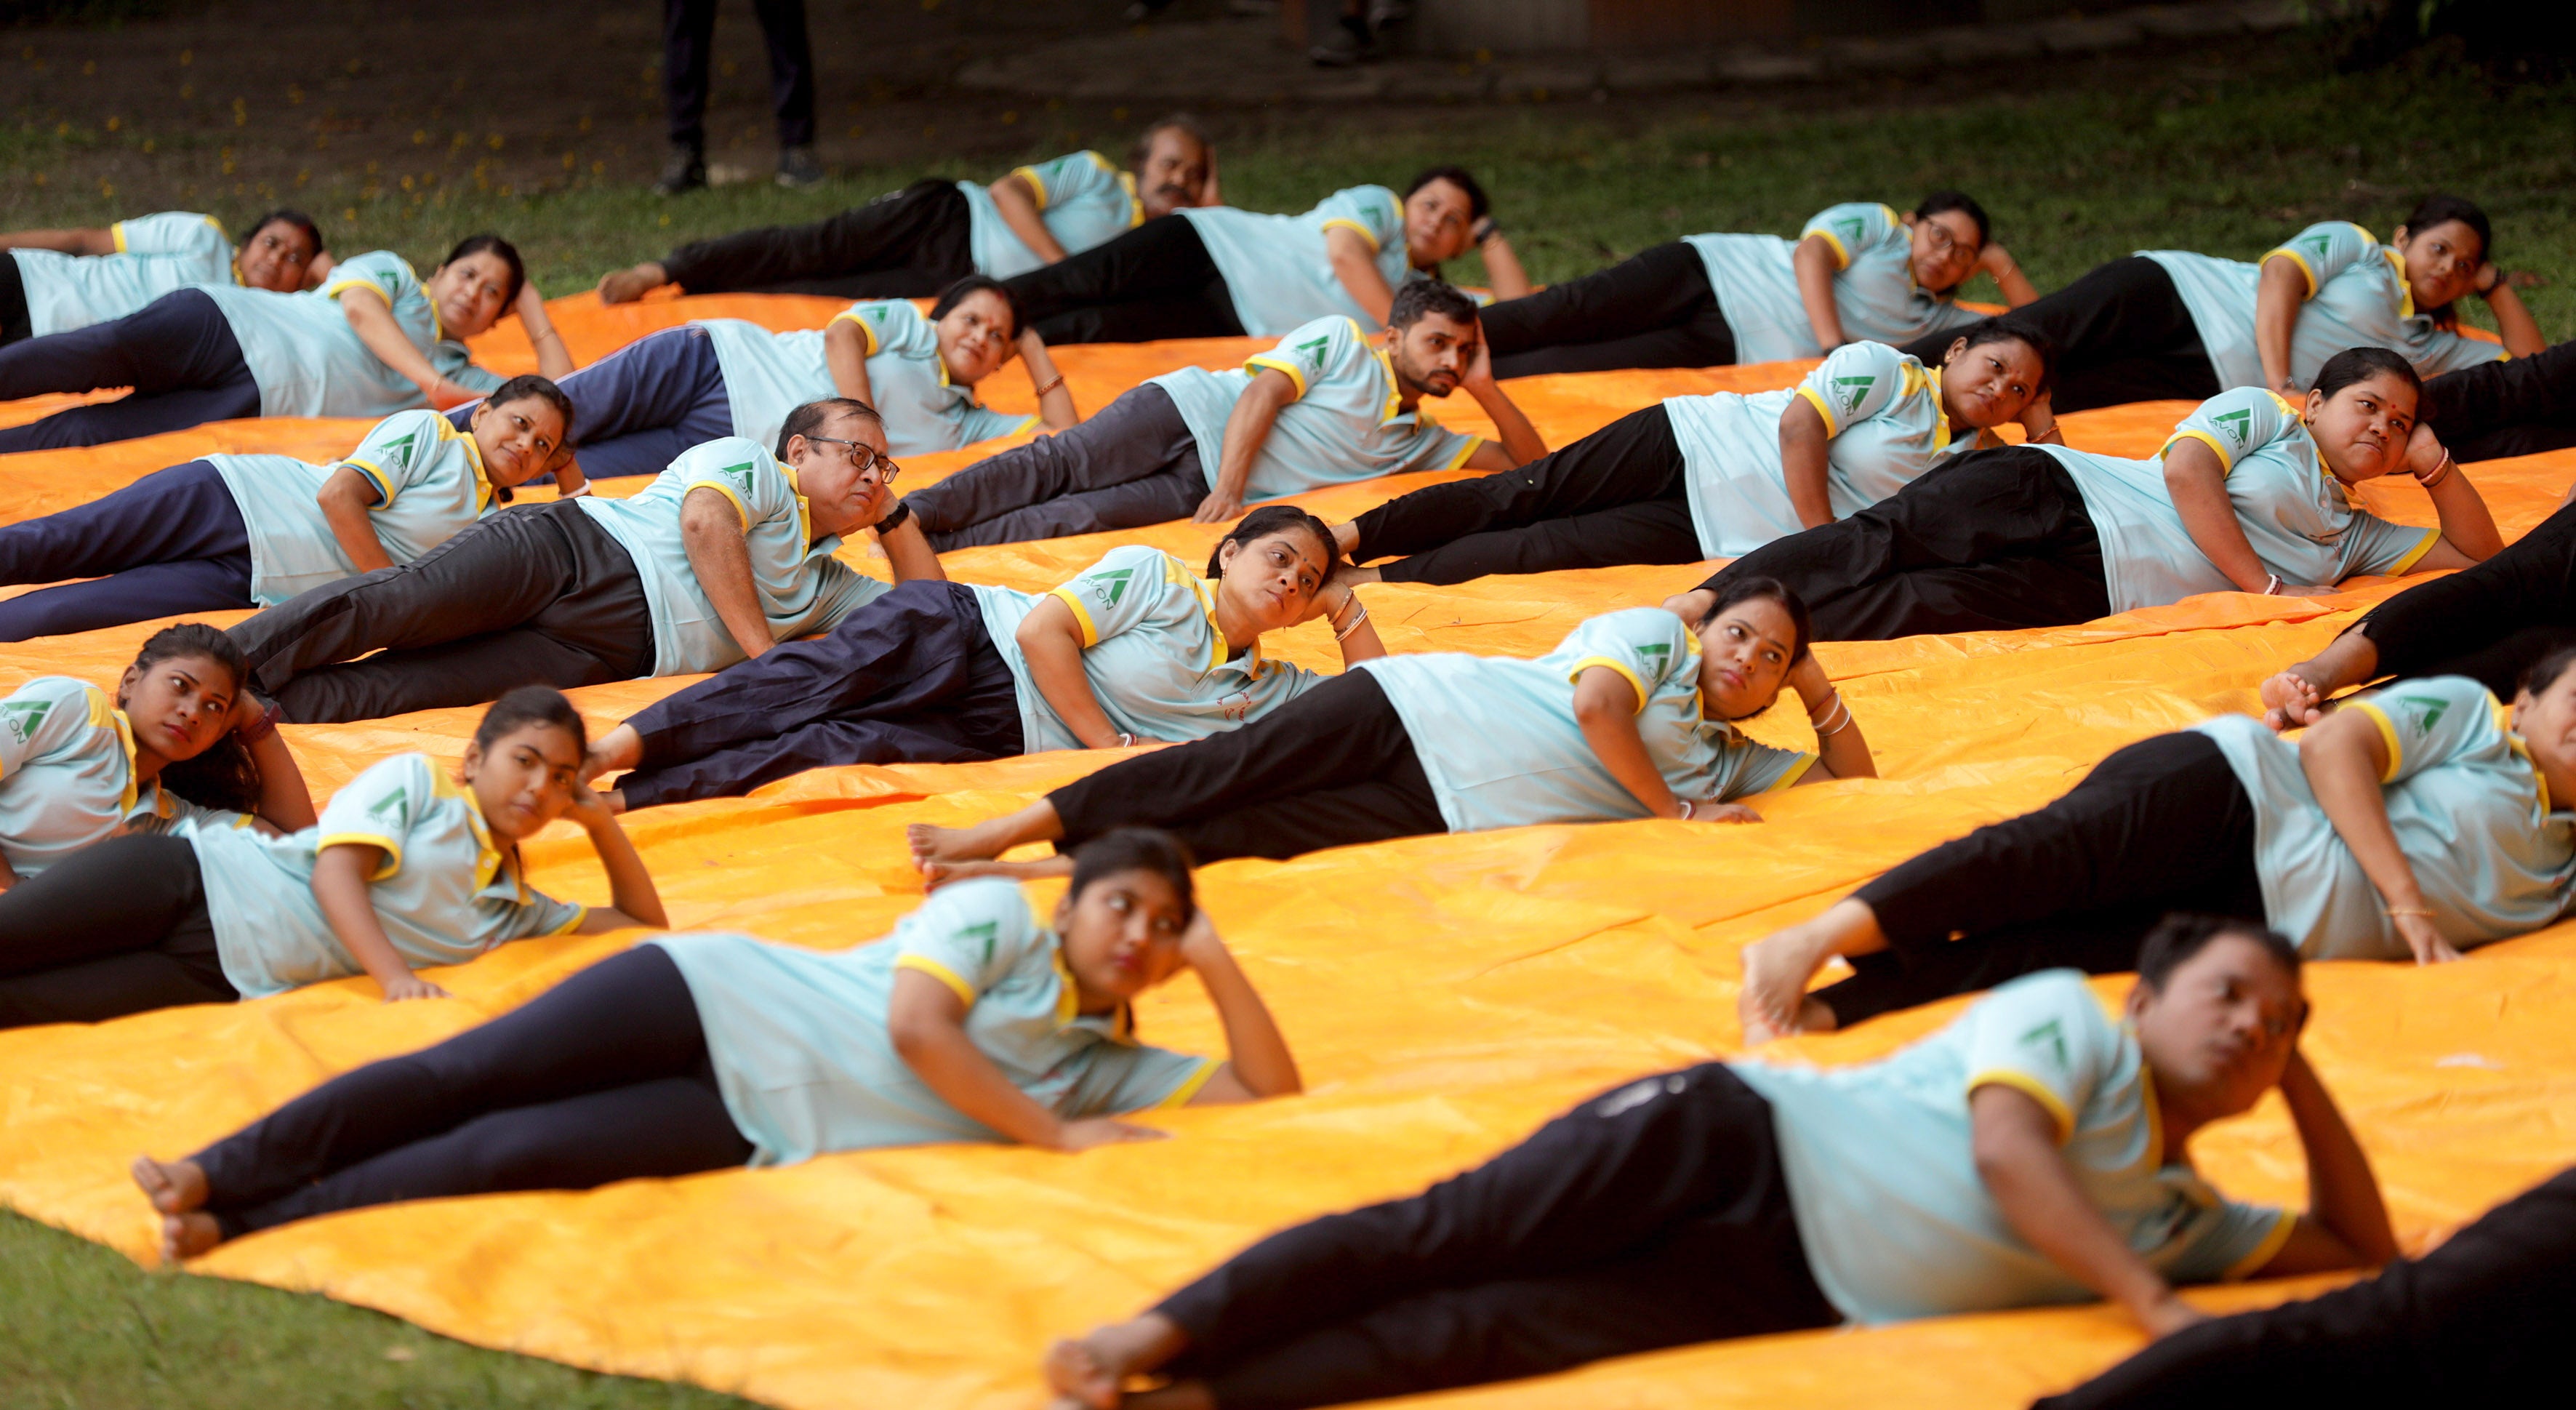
914	242
1327	406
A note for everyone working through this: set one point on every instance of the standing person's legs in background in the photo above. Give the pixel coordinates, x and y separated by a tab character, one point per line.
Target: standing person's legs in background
688	33
178	354
169	543
1133	463
791	88
1653	310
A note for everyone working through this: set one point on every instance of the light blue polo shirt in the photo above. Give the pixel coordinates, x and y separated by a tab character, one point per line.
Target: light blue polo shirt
2494	854
430	487
67	776
2356	298
444	892
2301	521
1150	649
1276	267
1884	423
1498	739
1347	423
1083	200
1882	1171
308	361
798	1037
924	411
155	254
802	588
1756	283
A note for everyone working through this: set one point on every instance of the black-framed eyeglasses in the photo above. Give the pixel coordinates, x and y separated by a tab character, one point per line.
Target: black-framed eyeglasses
863	457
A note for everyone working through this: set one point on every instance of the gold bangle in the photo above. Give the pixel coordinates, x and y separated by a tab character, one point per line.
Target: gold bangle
2396	911
1051	386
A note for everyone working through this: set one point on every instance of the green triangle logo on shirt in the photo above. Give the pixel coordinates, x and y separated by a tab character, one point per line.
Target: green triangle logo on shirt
1113	586
2237	424
23	717
741	475
1850	228
394	805
2051	1034
1313	352
983	932
398	449
2423	713
2318	243
1852	389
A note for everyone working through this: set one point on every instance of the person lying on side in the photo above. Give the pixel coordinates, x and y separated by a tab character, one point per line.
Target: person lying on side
2033	1152
1623	720
1717	475
1329	405
241	530
2250	494
1138	646
405	867
2421	821
973	1021
55	281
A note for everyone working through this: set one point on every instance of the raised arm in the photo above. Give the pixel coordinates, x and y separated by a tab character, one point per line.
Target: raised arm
2345	756
340	885
2017	289
2278	293
1503	272
81	240
2469	533
1803	445
1017	200
1055	400
908	552
1841	752
632	897
2015	1140
1246	428
373	321
2198	484
553	358
1050	640
711	530
1605	708
2346	1225
1355	264
285	802
347	496
845	354
1815	267
1521	441
926	1021
1340	607
1258	1063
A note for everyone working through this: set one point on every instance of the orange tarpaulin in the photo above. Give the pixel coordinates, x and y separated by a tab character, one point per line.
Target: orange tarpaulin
1444	995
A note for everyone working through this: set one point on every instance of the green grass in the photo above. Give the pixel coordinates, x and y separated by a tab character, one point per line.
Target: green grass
83	1329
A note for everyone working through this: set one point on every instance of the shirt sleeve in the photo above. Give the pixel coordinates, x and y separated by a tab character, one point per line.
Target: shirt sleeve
841	590
2374	545
540	914
2045	1037
378	808
1850	228
741	472
2449	351
455	362
1071	177
1122	590
171	233
892	326
1371	212
42	715
1328	350
1856	382
1122	1077
2324	250
397	453
1648	651
2428	723
983	423
2235	424
2223	1239
1749	766
381	272
968	936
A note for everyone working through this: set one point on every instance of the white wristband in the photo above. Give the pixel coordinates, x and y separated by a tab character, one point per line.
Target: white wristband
1688	811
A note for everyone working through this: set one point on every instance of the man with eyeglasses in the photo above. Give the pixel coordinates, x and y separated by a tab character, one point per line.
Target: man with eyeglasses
727	553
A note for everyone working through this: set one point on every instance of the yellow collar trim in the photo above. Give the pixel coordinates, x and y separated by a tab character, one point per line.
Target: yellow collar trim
2405	291
804	506
1135	203
2522	750
483	486
1394	389
2155	1114
125	737
488	856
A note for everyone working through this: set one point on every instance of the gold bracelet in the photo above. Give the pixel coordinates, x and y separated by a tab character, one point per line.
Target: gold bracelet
1051	386
2395	911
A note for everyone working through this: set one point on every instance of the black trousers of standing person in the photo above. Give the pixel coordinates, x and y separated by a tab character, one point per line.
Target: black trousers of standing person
604	1077
2474	1322
1992	541
906	244
118	927
177	352
1654	310
1332	768
2492	621
1156	281
2160	826
1615	497
688	42
2122	332
536	595
2520	406
912	677
1133	463
1653	1215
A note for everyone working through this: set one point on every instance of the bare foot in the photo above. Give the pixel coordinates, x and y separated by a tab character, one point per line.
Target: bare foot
613	799
1773	1003
1078	1376
620	748
185	1236
981	842
627	285
1360	577
939	874
173	1186
1092	1370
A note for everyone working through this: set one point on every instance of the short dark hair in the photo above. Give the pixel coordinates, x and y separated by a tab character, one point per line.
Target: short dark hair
494	245
225	776
803	420
284	216
1272	519
1456	176
530	705
2435	209
2360	365
2183	934
1136	849
2545	672
1416	297
1732	590
1964	204
955	294
1187	124
2010	330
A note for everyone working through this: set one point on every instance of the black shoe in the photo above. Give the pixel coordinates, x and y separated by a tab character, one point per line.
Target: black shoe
799	168
683	172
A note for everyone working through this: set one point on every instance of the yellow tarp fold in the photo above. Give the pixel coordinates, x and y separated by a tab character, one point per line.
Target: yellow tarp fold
1444	994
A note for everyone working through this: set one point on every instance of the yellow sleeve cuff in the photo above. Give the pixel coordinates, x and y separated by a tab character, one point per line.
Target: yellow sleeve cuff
1287	366
1842	257
720	487
2226	463
2305	268
1622	667
2033	1088
2387	736
579	914
866	330
1465	453
392	849
374	473
1182	1094
965	992
2265	1251
1037	183
2416	554
337	287
1796	772
1081	614
1346	223
1811	398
